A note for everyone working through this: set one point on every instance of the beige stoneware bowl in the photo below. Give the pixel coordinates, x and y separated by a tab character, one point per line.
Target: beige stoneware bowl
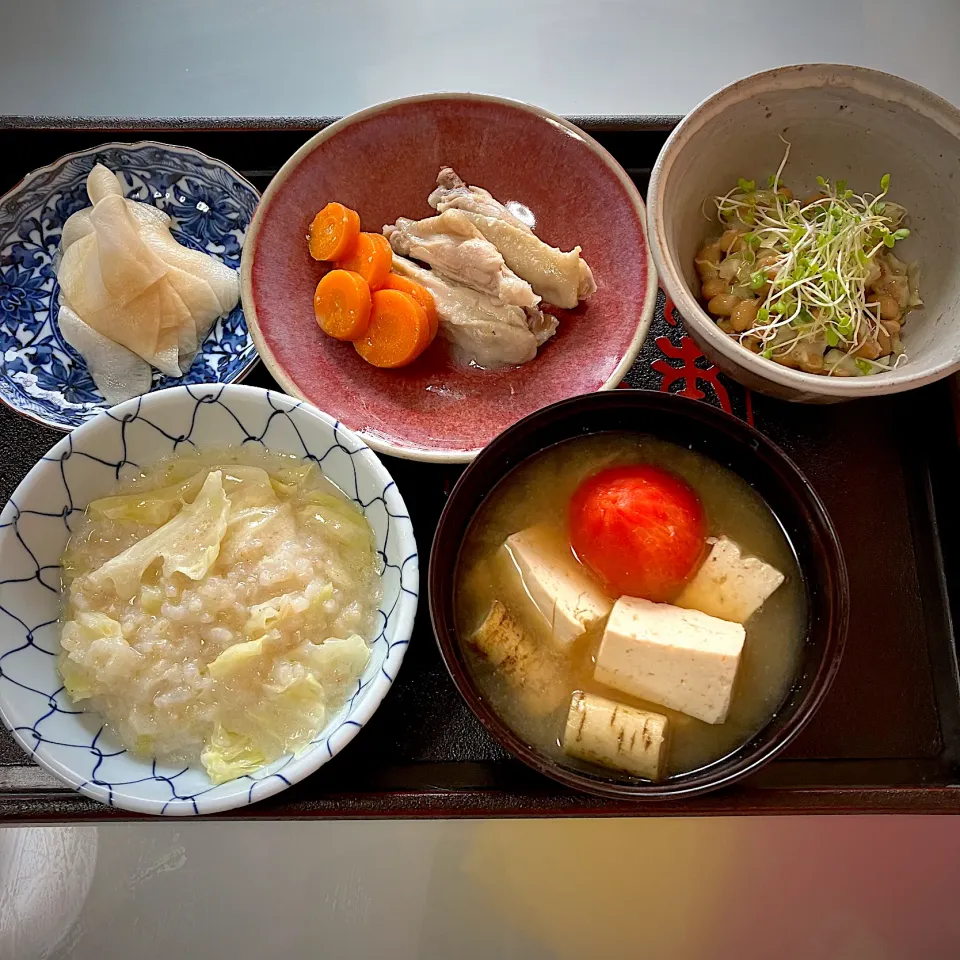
843	123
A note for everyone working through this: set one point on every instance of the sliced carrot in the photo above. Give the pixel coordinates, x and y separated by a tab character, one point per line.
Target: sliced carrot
371	257
398	333
419	293
333	232
342	305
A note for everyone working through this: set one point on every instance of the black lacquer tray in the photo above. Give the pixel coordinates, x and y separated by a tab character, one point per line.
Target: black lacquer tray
887	739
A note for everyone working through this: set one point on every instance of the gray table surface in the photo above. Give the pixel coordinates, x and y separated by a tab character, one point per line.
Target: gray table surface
321	58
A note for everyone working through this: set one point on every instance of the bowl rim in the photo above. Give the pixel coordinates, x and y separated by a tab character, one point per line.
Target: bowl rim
372	438
698	320
704	779
52	168
295	768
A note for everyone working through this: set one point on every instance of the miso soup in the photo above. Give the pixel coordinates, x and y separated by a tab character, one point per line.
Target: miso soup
538	494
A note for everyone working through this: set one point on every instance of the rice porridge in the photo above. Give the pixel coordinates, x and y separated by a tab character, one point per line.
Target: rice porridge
219	608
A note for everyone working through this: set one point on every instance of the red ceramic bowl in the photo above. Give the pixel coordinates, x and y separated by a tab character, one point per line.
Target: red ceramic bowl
383	162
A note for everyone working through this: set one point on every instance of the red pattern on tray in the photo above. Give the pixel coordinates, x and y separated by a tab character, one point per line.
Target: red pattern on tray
671	361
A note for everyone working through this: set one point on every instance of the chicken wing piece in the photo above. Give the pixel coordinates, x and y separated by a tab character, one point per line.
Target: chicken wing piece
453	193
553	274
542	325
559	278
483	330
453	246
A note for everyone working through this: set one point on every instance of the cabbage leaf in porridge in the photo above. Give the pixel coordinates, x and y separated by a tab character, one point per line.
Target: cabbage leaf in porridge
219	610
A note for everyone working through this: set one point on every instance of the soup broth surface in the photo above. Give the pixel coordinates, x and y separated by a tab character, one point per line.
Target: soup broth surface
538	492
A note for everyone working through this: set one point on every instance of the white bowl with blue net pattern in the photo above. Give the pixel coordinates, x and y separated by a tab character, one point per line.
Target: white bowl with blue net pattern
35	524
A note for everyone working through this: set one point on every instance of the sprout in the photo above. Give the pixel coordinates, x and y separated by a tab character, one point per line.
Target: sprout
825	251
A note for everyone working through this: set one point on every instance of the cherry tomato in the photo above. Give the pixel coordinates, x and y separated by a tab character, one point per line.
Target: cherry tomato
639	529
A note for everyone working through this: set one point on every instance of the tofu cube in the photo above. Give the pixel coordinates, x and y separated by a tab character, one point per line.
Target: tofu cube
729	585
569	600
682	659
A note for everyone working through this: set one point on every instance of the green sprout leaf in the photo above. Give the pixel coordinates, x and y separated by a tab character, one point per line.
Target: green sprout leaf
825	262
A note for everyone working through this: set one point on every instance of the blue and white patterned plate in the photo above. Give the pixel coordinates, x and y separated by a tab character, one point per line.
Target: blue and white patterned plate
84	465
211	205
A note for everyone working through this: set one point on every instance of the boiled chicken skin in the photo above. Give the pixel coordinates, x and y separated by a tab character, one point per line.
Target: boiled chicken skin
454	247
559	278
453	194
485	331
553	274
